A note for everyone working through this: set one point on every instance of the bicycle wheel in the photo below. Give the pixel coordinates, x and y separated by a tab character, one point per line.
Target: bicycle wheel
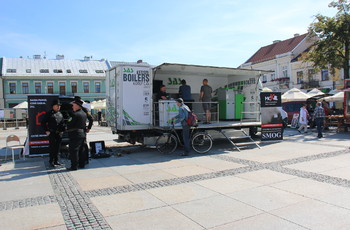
201	142
166	143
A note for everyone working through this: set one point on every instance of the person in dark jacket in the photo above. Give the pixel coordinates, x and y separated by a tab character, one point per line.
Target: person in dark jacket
53	125
87	130
185	93
77	133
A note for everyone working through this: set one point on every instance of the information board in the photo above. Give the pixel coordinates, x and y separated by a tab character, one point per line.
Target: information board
38	105
271	117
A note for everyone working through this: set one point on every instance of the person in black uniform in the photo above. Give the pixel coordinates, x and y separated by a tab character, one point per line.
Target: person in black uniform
77	133
87	130
53	125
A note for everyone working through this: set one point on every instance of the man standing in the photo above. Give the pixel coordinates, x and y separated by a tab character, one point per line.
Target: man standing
182	118
205	97
53	124
319	116
185	93
77	134
99	117
87	130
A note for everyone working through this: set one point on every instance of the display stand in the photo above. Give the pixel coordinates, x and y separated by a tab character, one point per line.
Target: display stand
295	121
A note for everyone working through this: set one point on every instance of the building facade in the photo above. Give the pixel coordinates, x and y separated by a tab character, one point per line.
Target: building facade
283	59
22	76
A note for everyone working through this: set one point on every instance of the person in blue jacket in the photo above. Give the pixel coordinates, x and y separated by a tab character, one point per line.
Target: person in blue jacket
182	118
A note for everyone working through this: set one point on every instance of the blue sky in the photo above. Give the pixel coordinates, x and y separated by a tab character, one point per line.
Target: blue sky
201	32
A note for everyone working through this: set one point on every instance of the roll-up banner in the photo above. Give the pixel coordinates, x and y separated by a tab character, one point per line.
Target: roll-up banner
271	116
38	105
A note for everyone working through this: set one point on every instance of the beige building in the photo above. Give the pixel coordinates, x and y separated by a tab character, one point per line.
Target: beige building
283	58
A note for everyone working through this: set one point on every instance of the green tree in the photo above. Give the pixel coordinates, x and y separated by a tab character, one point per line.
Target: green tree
331	47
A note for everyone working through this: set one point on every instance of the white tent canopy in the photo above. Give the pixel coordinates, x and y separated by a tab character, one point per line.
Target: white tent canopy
294	95
265	89
22	105
315	92
338	97
100	104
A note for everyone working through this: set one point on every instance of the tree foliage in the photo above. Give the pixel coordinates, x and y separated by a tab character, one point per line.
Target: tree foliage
331	47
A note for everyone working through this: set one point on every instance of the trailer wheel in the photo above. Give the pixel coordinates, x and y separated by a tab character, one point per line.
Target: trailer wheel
166	143
202	142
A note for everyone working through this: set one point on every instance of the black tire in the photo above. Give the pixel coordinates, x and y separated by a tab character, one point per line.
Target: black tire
166	143
202	142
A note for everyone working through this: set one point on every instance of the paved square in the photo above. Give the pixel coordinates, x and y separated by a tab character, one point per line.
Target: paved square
299	183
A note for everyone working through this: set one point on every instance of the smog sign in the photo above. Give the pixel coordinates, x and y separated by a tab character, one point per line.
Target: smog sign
271	116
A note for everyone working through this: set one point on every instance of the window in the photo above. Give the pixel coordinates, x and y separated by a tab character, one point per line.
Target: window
25	87
44	70
284	71
28	70
12	86
86	87
97	87
69	71
264	78
300	76
11	71
83	71
49	87
57	71
74	86
99	71
272	77
62	88
37	86
325	76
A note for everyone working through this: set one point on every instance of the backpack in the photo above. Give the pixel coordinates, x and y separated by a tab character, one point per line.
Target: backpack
192	119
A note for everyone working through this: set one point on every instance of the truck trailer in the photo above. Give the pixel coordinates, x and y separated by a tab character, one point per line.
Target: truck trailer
134	114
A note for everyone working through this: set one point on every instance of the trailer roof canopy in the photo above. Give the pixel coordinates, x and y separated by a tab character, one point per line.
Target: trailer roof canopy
171	68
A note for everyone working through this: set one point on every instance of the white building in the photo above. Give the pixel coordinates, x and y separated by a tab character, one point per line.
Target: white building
288	71
22	76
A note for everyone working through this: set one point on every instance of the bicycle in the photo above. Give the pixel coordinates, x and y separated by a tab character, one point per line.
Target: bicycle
167	143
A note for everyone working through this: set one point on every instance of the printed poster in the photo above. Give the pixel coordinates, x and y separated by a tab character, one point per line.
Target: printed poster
271	116
38	105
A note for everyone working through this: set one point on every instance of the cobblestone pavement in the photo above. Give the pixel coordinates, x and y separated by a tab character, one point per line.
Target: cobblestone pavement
80	212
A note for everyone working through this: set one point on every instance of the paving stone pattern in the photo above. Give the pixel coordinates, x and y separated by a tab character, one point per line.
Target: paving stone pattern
79	212
77	209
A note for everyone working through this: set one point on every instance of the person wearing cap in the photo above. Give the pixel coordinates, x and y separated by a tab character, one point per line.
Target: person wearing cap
53	125
319	116
77	133
182	118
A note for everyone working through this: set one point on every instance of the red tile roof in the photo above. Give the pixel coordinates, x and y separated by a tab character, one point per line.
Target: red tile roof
269	52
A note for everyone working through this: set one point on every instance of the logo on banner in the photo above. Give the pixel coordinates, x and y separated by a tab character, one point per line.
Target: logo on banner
271	97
